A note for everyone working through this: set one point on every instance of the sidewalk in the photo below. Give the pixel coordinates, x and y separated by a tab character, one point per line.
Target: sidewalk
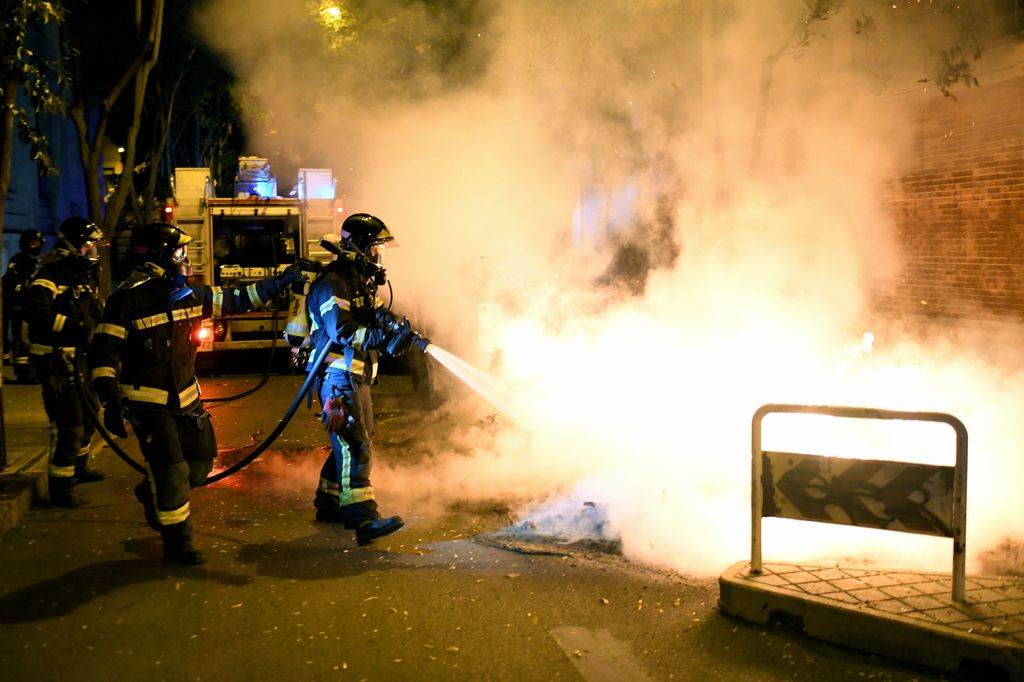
905	615
27	433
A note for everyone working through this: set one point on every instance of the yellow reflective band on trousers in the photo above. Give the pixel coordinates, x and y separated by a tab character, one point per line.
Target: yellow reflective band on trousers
347	495
169	518
354	495
61	472
328	487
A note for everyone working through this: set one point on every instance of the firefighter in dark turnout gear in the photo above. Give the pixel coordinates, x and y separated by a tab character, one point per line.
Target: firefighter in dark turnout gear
19	270
142	364
62	307
344	311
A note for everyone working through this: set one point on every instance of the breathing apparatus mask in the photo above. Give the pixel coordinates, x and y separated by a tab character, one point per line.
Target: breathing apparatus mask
182	266
373	267
161	249
83	238
370	264
90	251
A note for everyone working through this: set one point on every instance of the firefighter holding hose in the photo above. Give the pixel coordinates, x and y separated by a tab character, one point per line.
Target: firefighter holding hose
142	363
62	305
344	312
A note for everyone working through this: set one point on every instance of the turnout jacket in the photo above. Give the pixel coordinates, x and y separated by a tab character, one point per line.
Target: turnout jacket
144	350
19	270
62	303
342	307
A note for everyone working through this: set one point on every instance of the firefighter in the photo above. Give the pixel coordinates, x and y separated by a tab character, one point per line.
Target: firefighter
19	270
344	311
142	364
62	306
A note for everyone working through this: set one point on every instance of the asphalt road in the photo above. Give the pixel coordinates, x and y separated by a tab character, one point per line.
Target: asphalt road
85	595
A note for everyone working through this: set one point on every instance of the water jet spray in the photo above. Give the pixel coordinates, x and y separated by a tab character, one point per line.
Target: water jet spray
477	380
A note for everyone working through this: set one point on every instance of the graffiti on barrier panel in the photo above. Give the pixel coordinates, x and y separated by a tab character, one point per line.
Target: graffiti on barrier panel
914	498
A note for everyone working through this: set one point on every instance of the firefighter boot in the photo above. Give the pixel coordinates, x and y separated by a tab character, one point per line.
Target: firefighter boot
327	509
62	492
378	528
24	374
83	474
178	545
145	497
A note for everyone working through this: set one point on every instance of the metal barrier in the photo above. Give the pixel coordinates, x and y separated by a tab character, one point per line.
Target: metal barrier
914	498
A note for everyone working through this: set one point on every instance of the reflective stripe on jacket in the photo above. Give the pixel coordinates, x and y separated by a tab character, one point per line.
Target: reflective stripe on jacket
62	302
341	306
144	350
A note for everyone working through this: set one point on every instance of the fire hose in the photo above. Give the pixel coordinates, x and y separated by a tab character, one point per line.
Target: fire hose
266	371
90	406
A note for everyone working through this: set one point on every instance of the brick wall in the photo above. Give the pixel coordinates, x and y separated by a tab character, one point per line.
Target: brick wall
959	210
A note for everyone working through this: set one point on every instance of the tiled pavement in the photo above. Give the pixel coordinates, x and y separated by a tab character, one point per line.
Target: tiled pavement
27	438
902	614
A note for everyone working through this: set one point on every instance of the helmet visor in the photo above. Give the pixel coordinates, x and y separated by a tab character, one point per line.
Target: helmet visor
90	249
179	254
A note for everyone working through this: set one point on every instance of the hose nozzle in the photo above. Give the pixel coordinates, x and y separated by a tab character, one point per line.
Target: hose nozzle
403	335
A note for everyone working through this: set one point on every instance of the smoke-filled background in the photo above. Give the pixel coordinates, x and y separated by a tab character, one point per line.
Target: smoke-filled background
644	219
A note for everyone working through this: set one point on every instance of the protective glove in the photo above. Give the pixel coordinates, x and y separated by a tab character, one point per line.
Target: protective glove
298	271
399	343
113	419
334	418
106	390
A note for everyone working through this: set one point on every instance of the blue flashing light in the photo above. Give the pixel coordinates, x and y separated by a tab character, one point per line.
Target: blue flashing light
265	188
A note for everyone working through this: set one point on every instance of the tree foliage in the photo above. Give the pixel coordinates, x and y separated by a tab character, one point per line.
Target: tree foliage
97	91
203	130
401	48
959	29
40	79
955	32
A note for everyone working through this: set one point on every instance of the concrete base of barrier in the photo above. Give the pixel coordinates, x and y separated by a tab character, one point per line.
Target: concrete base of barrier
21	484
907	616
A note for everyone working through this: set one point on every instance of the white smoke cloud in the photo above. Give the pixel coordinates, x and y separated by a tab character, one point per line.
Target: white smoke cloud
641	403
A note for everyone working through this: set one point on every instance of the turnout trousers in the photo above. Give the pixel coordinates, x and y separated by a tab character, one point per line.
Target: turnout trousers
345	488
179	447
64	408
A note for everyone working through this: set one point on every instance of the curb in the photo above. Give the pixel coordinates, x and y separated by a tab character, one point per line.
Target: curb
984	633
21	487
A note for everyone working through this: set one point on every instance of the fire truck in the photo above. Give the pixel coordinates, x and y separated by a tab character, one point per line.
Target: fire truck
253	235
